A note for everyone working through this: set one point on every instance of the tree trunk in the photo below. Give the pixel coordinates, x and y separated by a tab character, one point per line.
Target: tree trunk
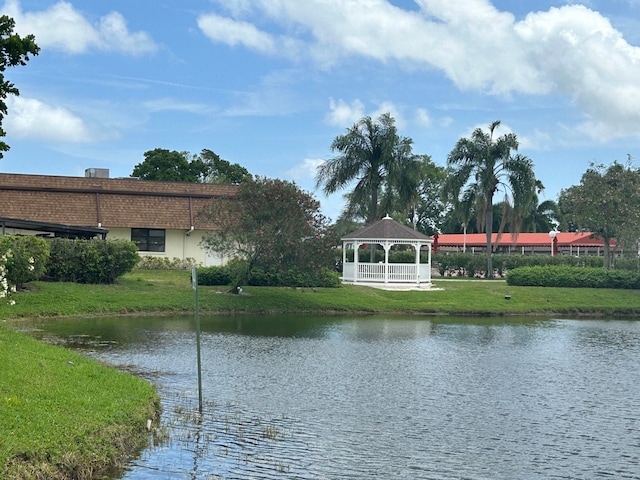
607	254
373	217
488	226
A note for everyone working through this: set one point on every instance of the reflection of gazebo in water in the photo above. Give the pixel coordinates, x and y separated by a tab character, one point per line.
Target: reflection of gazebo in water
386	233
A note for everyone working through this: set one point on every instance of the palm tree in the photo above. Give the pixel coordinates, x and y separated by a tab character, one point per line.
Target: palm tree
540	217
372	154
483	166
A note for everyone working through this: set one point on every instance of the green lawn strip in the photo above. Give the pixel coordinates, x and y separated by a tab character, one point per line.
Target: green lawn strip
166	292
63	415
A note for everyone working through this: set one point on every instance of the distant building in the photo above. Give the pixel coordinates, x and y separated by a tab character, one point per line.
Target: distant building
565	243
162	218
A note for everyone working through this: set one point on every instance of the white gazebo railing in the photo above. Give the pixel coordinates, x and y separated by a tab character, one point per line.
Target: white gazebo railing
390	273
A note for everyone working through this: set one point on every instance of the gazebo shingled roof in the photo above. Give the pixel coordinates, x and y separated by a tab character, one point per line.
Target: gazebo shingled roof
386	229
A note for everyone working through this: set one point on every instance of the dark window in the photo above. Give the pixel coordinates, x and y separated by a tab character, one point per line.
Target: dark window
148	239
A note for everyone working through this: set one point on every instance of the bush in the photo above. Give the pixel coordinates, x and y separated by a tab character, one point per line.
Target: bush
461	264
322	277
259	277
576	277
214	276
164	263
469	264
90	261
27	258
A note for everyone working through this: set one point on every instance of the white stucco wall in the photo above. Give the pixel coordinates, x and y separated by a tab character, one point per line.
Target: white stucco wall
177	245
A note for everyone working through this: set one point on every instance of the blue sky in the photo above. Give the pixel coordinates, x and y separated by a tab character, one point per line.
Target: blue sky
269	84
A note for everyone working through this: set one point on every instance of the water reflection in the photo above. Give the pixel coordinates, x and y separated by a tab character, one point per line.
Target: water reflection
331	397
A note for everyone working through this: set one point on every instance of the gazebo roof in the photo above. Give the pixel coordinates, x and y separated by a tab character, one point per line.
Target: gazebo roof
387	229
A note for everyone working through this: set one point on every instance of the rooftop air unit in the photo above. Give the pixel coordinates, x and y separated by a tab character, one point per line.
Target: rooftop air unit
96	173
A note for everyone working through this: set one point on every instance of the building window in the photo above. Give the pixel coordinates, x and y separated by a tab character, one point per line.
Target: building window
148	239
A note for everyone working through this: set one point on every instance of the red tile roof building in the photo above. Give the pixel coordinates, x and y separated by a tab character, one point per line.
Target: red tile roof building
566	243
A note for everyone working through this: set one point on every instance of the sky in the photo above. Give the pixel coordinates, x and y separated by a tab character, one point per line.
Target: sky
269	84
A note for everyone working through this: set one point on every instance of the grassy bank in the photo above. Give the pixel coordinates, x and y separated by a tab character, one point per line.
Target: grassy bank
163	292
65	416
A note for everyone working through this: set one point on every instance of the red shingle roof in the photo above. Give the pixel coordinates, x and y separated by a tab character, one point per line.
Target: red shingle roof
582	239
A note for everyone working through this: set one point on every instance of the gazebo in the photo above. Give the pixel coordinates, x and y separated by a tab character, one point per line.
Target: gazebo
386	233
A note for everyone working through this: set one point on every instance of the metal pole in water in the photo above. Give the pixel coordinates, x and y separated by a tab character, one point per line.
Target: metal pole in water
194	284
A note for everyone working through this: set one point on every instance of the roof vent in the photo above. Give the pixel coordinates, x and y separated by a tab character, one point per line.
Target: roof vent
96	173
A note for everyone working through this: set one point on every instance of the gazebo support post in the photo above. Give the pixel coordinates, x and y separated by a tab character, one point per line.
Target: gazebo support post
356	259
417	247
386	247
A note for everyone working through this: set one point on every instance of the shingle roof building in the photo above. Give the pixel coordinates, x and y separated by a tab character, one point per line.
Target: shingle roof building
107	202
162	218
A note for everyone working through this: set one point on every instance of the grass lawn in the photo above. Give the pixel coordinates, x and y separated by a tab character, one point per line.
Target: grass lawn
165	292
65	416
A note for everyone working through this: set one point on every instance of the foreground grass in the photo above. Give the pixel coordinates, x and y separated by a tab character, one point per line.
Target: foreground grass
166	292
63	415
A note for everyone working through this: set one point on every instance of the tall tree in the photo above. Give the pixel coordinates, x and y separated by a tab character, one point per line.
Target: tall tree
540	216
270	224
482	166
607	202
372	154
170	166
14	51
430	204
219	170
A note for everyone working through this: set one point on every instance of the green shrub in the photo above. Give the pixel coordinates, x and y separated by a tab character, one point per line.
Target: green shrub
215	275
90	261
260	277
164	263
27	258
469	264
461	264
576	277
322	277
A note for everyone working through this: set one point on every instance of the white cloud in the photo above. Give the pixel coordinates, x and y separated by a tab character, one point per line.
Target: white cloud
32	119
172	105
389	107
572	50
305	170
232	32
423	119
343	114
538	140
62	27
583	56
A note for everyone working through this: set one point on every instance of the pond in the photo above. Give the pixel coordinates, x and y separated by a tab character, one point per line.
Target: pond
381	397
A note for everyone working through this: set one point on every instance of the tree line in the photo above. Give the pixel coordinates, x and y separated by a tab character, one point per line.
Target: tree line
486	186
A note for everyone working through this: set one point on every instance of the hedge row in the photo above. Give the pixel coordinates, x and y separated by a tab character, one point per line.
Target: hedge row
90	261
562	276
471	265
222	275
164	263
